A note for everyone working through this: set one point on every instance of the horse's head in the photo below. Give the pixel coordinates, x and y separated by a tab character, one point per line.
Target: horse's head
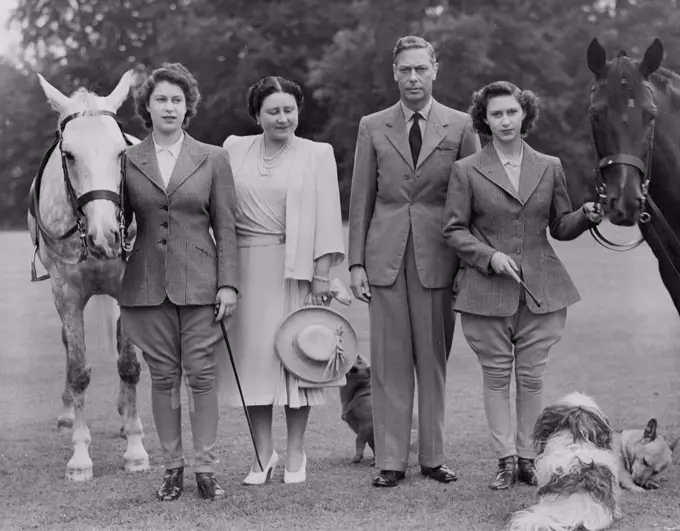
622	112
92	146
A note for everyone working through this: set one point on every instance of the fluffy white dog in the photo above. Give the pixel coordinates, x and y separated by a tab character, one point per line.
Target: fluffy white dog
578	486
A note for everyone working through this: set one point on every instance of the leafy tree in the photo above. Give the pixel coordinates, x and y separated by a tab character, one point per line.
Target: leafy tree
339	52
24	136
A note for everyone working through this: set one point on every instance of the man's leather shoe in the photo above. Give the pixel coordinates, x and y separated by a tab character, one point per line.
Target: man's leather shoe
526	471
173	484
208	488
505	475
388	478
441	473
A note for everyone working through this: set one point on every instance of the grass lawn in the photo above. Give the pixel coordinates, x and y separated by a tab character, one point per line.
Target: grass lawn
621	346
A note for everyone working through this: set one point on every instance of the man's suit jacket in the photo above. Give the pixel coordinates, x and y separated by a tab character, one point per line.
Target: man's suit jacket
485	214
389	196
174	254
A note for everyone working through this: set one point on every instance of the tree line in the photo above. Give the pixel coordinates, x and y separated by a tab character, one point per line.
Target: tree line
339	52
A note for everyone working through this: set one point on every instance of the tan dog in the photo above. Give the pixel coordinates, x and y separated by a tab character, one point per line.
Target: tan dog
357	409
642	455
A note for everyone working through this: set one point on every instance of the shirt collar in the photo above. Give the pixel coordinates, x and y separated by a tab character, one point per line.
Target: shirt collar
505	160
173	149
424	112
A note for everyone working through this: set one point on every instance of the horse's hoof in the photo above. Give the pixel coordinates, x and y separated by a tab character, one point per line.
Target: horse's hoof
65	423
137	465
79	474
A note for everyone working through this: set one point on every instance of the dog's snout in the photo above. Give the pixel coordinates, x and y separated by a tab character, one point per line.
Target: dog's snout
353	370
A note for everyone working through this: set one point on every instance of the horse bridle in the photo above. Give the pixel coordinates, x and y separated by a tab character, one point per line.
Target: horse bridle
78	202
644	167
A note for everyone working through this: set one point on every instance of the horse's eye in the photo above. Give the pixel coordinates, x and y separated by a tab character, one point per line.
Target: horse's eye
68	156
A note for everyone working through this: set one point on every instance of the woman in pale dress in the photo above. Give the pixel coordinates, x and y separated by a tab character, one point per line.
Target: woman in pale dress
289	231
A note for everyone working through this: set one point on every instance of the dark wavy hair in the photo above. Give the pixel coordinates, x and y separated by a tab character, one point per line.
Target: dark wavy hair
411	42
174	73
267	86
480	99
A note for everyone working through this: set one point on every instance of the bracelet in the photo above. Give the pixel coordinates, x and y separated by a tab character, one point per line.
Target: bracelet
321	279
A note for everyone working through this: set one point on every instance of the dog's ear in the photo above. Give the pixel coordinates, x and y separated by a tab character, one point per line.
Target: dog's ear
650	431
674	444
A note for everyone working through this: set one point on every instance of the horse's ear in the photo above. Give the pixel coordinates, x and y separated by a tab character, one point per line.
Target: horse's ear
57	100
597	57
121	92
652	58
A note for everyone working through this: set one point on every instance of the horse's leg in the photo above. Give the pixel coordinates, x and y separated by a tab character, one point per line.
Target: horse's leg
671	281
65	420
70	305
667	270
135	458
121	403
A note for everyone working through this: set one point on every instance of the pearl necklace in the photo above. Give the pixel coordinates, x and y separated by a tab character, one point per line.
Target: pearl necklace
265	163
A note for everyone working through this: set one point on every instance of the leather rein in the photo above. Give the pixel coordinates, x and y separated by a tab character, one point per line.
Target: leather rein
78	202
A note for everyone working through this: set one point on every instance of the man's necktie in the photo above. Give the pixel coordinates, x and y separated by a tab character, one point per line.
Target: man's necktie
415	138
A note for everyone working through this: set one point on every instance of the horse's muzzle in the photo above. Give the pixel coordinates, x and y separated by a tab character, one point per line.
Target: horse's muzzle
625	212
106	248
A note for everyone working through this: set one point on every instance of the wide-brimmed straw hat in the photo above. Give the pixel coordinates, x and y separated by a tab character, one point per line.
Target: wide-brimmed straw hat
316	344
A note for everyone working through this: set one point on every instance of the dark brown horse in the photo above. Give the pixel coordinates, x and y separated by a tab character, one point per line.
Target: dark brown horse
635	120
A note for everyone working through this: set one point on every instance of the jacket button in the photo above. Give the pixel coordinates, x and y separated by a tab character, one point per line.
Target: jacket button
164	207
163	241
164	224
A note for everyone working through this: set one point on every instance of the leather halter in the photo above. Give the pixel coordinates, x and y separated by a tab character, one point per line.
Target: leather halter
77	202
645	218
644	167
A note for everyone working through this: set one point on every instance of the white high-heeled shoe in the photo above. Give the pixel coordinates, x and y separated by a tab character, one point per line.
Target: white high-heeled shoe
260	478
296	477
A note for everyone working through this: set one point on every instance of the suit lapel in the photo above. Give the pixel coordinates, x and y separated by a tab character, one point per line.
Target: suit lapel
143	156
434	133
490	166
530	174
190	158
396	133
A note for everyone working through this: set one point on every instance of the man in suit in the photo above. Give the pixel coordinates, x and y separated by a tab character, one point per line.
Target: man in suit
400	263
500	202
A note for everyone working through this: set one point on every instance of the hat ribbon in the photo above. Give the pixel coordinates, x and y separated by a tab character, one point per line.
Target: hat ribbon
337	360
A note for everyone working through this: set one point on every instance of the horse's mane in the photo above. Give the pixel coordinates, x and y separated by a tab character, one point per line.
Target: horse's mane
669	82
664	80
82	101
